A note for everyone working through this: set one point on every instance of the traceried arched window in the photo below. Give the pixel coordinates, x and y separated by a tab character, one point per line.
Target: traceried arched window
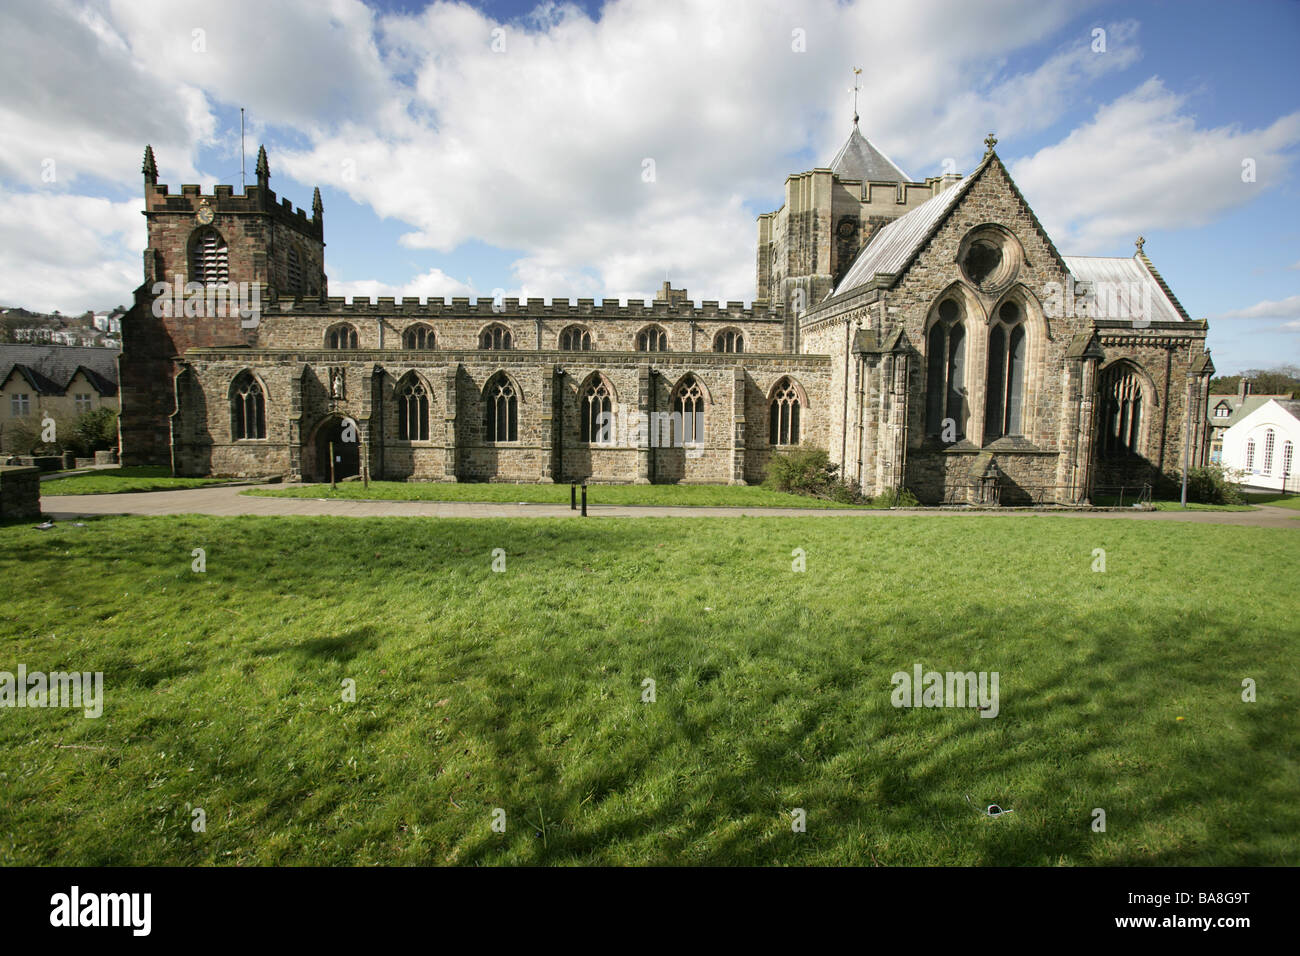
209	258
1004	408
597	412
688	412
575	339
247	408
496	337
412	410
652	339
501	409
945	383
417	336
295	270
783	413
342	336
1121	412
729	340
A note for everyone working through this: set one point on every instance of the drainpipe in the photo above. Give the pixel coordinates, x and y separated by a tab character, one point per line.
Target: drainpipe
844	416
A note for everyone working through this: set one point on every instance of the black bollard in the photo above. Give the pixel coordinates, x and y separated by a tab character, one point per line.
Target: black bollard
573	497
584	500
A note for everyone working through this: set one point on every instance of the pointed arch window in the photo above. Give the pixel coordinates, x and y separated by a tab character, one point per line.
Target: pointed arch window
209	258
945	383
652	339
1250	455
1288	454
1267	467
688	412
1121	412
1004	405
575	339
247	408
341	336
501	409
783	414
417	336
496	338
729	340
597	412
412	410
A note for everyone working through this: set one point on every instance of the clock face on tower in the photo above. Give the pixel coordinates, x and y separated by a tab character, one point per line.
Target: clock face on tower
205	214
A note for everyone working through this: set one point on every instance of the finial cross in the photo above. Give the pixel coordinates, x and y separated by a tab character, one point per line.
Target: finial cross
990	141
1140	243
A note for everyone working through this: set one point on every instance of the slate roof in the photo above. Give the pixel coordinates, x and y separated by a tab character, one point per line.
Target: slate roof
1133	283
859	158
50	368
894	246
1241	409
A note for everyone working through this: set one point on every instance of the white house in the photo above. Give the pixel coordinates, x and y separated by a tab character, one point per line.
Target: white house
1261	445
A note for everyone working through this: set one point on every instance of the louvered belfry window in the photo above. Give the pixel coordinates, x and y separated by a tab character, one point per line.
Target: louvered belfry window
295	271
209	258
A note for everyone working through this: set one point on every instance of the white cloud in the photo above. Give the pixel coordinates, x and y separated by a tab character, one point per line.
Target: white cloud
540	148
434	284
1288	308
76	94
69	253
1133	167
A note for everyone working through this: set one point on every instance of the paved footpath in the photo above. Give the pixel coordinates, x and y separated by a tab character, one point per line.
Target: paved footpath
227	500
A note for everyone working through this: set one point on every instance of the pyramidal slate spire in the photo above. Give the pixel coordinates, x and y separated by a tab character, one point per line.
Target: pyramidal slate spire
858	158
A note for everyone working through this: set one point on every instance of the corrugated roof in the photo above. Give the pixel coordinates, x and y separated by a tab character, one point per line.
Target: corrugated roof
894	245
50	368
858	158
1124	288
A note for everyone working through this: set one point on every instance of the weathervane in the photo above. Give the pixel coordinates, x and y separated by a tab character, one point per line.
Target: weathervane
857	72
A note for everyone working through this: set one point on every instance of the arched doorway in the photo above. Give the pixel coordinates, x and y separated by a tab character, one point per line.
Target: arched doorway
347	454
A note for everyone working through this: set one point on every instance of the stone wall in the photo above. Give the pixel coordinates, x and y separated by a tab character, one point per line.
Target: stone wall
20	492
550	388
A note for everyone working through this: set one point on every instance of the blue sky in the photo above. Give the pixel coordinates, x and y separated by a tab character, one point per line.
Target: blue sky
449	167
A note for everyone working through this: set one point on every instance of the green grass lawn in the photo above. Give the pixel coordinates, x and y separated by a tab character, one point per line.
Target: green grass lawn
709	496
522	690
1114	501
122	480
1276	499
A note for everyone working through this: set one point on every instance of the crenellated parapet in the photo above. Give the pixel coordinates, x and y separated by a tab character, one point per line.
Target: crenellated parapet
760	309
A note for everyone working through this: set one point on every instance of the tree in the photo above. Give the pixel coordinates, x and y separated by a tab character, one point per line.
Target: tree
93	431
1274	381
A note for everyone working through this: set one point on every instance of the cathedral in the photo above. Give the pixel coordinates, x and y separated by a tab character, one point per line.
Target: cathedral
927	335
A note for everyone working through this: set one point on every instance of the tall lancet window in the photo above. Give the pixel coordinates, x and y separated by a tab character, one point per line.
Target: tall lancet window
412	410
501	409
1004	408
688	412
247	408
597	413
945	382
1121	412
